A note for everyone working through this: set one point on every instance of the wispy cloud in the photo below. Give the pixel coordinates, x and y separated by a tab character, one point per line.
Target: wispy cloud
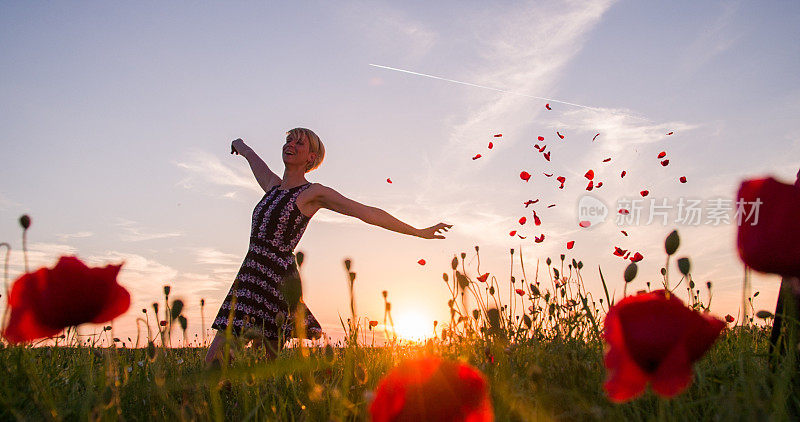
205	171
76	235
715	39
6	203
133	232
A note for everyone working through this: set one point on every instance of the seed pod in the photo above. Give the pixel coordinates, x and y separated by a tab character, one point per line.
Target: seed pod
684	266
630	272
672	242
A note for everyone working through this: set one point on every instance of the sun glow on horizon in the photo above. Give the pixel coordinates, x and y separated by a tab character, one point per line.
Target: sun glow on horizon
414	325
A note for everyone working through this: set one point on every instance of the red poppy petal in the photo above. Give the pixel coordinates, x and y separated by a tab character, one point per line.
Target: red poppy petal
599	185
551	205
665	163
547	106
525	176
623	211
498	135
607	160
624	232
421	262
662	154
547	155
541	138
670	133
589	174
590	186
491	145
595	137
623	173
559	135
476	156
522	220
683	179
388	180
644	193
536	219
585	224
570	244
512	233
521	236
548	174
482	278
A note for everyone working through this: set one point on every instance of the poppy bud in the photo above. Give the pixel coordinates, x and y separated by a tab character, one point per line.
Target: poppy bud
463	255
299	256
385	293
630	272
25	221
684	266
672	242
347	263
167	290
454	263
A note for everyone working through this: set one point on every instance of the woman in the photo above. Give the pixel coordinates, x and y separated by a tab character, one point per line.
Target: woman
279	220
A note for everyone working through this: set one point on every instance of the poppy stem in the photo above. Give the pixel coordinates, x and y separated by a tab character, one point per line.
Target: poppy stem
25	248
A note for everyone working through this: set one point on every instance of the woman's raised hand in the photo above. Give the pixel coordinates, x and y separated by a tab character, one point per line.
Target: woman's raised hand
433	231
238	146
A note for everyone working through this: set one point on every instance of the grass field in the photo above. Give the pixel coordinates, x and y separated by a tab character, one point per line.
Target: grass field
542	356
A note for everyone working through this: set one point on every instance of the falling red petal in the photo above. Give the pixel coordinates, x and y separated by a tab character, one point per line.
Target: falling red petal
559	135
482	278
476	157
623	211
623	232
388	180
585	224
520	292
561	179
525	176
637	257
551	205
644	193
619	251
662	154
512	233
491	145
541	138
530	201
626	255
623	173
670	133
539	239
421	262
536	219
589	174
522	237
547	155
607	160
590	186
665	163
570	244
595	137
548	174
683	179
498	135
547	106
599	185
522	220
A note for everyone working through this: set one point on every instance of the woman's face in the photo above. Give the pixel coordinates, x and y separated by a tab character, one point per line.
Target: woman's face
296	150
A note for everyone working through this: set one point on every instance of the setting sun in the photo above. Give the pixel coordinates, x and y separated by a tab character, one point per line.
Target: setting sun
414	325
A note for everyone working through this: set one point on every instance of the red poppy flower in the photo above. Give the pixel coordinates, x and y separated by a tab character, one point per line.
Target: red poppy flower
683	179
421	262
512	233
665	163
662	154
637	257
499	135
560	135
541	138
654	338
539	239
623	173
520	292
644	193
476	156
589	174
388	180
595	137
525	176
373	323
46	301
547	106
491	145
570	244
522	220
482	278
770	245
729	318
432	389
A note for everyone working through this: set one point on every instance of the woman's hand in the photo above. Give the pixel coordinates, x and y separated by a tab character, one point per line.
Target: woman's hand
433	231
238	146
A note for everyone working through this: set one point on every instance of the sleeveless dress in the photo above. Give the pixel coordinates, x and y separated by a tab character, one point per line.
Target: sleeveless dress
277	227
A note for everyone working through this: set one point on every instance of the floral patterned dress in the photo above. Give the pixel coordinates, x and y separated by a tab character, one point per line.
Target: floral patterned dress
277	227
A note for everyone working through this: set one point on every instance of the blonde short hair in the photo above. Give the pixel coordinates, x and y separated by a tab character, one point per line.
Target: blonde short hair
314	145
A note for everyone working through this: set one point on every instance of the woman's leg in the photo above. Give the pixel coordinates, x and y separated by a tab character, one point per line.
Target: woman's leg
215	350
272	347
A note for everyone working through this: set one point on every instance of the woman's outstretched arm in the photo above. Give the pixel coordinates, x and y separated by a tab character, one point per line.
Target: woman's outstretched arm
265	177
325	197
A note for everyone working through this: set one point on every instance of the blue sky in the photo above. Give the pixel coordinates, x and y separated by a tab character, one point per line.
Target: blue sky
117	119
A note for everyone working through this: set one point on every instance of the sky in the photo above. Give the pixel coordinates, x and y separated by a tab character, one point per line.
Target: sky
117	120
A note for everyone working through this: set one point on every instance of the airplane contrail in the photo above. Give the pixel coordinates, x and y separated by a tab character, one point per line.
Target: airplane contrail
552	100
